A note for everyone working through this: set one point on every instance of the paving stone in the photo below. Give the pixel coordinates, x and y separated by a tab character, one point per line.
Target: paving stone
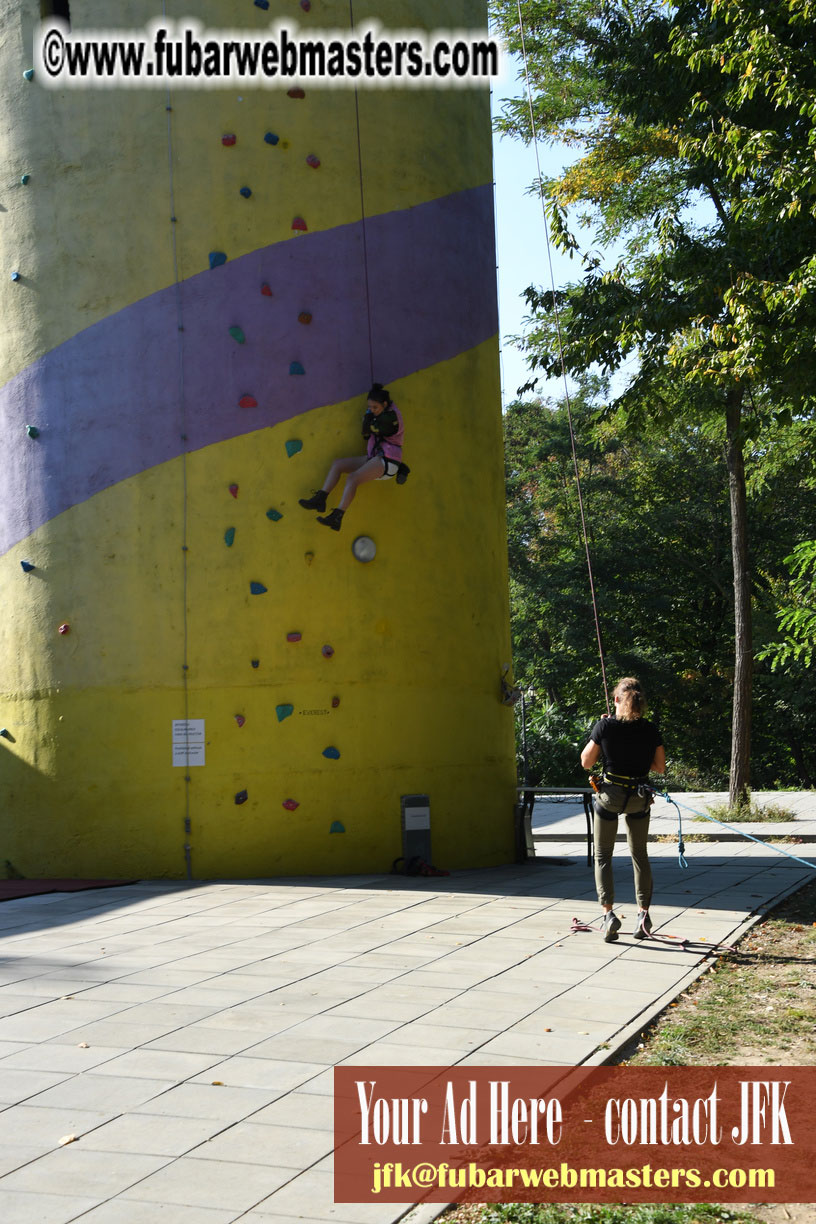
130	1211
100	1092
205	1100
230	1185
21	1208
151	1134
287	1146
92	1174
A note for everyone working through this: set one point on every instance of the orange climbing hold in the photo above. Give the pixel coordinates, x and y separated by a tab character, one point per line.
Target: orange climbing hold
304	317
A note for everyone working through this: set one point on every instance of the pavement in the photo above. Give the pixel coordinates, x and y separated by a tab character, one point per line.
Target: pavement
183	1035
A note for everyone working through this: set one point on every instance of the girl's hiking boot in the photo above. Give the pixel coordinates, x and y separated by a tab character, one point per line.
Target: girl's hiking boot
333	519
316	502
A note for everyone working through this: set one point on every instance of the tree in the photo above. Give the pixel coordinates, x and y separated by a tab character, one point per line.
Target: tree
644	91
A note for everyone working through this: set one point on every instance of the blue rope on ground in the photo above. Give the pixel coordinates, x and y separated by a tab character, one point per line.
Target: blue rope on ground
665	795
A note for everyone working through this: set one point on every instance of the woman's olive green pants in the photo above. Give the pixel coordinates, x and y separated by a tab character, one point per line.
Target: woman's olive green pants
612	801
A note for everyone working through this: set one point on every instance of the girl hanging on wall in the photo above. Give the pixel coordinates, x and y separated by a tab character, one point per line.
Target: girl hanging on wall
383	431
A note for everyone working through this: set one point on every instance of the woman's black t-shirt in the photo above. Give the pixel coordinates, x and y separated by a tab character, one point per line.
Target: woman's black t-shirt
627	745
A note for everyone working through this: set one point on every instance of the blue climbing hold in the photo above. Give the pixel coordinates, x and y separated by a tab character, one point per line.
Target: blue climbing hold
15	276
29	74
271	138
257	588
274	515
246	192
284	711
296	368
293	446
229	537
332	754
217	258
255	662
27	567
241	797
5	733
337	827
262	4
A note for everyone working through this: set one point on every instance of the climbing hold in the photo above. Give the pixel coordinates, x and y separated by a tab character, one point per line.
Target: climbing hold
239	718
296	368
335	702
32	431
241	797
229	139
274	515
24	179
364	549
332	754
306	5
233	488
229	537
27	567
308	557
257	588
327	651
15	276
284	711
266	291
291	804
29	74
255	662
299	224
271	138
5	733
237	335
297	92
294	636
63	629
293	446
217	258
246	192
304	317
262	4
247	401
337	827
313	161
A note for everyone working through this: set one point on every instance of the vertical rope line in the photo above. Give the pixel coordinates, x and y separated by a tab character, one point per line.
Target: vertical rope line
184	473
363	217
496	240
563	364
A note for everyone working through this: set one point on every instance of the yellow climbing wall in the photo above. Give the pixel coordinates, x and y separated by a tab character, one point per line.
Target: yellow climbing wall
180	408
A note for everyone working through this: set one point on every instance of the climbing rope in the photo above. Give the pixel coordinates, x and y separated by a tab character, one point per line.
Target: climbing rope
363	218
567	398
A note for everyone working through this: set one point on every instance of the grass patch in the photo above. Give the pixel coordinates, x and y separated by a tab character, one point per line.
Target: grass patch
746	810
587	1213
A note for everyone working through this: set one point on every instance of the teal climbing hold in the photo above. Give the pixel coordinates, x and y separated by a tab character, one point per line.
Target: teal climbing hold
217	258
296	368
32	431
337	827
27	567
246	192
5	733
237	334
274	515
293	446
332	754
257	588
29	74
229	537
25	179
284	711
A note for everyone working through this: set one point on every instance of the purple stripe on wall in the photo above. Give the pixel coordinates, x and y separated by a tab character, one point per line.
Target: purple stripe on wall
107	401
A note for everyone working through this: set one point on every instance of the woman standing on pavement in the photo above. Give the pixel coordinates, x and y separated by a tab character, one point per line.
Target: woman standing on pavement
631	747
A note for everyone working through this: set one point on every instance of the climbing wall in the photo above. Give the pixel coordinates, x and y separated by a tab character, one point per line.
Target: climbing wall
195	676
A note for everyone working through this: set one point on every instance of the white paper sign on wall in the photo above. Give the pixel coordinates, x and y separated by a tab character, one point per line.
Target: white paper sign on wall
188	741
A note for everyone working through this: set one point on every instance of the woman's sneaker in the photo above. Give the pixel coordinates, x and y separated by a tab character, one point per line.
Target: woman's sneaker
611	926
643	925
316	502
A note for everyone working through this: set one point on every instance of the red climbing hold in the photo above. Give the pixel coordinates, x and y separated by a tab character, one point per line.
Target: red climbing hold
229	139
265	290
294	637
247	401
291	804
299	224
328	651
335	702
313	161
304	317
63	629
297	92
233	490
306	5
239	718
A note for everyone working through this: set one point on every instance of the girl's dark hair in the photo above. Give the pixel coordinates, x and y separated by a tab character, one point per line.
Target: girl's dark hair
631	699
379	394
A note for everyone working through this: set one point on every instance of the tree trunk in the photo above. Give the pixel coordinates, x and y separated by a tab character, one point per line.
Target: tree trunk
743	638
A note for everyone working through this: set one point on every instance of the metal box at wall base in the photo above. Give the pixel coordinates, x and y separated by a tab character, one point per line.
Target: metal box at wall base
416	826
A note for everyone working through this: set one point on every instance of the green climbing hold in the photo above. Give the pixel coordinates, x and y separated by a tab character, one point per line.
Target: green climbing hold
293	446
337	827
274	515
237	335
295	367
229	537
284	711
32	431
29	74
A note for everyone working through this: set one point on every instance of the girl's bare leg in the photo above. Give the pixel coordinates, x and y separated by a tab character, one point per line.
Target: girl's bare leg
370	469
351	464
